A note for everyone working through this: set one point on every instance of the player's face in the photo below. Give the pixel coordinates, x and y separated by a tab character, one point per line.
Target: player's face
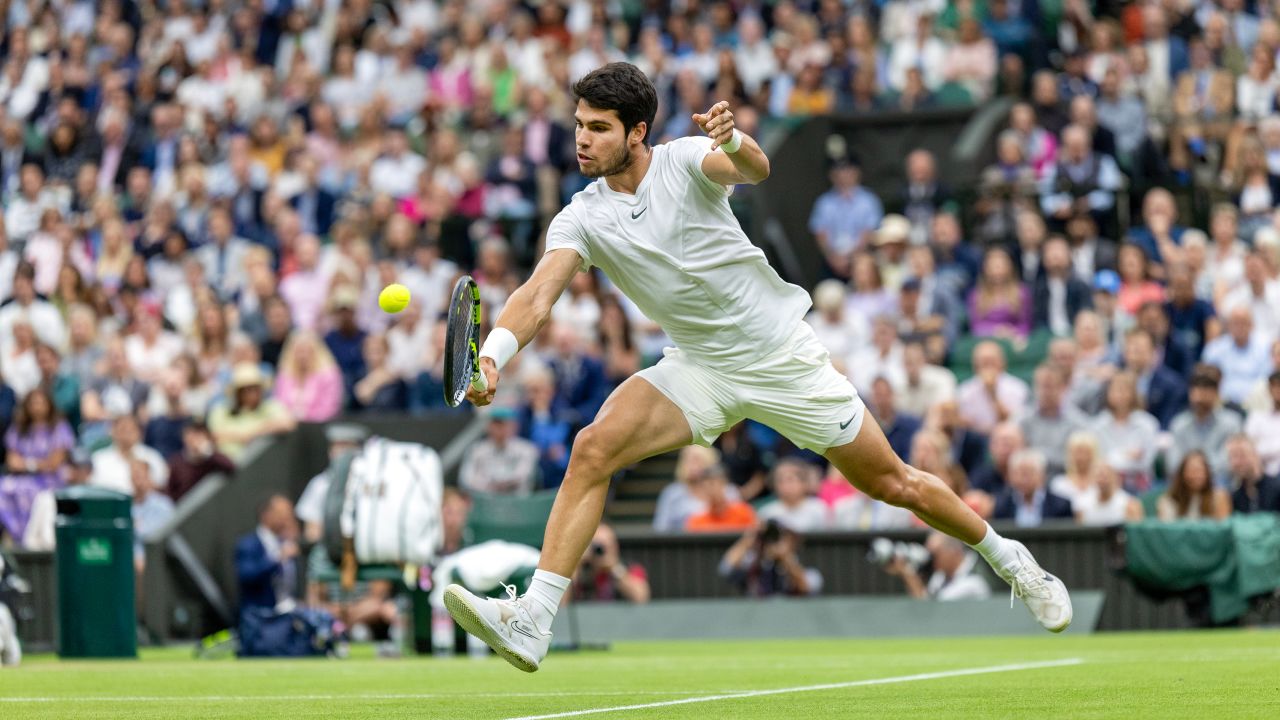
601	142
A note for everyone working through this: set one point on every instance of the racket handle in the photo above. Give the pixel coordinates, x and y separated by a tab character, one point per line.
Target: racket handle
479	382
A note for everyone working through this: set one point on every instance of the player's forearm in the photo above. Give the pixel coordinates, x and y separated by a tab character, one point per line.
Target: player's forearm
750	160
525	312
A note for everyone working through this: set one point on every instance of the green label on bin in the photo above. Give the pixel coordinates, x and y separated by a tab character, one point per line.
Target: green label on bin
93	551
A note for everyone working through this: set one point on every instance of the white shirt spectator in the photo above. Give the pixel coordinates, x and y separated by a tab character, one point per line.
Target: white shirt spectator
929	56
935	385
1092	510
809	515
977	408
509	470
859	512
396	176
44	318
965	585
111	468
1265	308
867	364
843	337
148	361
1263	427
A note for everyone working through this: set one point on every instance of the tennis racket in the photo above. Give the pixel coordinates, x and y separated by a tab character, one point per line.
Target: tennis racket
461	343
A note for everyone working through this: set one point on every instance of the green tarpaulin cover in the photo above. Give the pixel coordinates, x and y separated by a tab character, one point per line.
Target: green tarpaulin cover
1236	559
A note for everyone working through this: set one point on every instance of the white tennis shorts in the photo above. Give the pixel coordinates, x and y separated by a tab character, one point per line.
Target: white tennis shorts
794	390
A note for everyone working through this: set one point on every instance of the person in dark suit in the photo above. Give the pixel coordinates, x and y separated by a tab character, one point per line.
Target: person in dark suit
266	560
1164	391
1059	295
1089	252
1254	490
923	195
899	428
314	205
992	475
1026	501
580	383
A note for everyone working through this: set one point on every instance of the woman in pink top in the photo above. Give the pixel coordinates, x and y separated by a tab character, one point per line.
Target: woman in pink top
1136	288
971	62
309	384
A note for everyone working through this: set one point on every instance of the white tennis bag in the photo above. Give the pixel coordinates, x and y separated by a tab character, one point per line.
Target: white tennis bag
391	511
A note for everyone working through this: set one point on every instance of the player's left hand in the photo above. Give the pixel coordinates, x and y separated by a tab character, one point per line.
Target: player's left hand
717	123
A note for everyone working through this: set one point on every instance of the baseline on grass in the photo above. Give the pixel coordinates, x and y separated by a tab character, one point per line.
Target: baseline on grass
657	222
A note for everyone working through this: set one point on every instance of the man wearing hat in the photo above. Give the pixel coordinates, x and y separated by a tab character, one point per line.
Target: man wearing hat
503	463
845	216
249	413
343	438
891	250
346	339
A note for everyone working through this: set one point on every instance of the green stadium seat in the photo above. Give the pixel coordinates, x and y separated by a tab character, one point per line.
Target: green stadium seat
1022	361
519	519
953	95
1149	500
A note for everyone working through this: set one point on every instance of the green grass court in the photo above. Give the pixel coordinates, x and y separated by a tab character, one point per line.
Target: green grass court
1167	675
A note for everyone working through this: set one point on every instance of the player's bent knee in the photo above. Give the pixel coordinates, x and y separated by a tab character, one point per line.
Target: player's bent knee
901	487
591	460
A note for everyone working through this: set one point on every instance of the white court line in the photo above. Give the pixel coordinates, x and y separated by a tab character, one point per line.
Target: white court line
813	688
336	696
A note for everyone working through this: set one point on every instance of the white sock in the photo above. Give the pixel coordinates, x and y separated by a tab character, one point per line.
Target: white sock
545	591
996	550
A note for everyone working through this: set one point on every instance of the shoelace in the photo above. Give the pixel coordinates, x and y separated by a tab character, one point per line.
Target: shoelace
512	594
1027	582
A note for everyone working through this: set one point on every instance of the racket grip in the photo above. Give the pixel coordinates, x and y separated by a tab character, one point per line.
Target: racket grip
479	382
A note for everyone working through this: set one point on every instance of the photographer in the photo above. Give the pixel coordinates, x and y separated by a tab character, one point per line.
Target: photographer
953	575
603	576
766	562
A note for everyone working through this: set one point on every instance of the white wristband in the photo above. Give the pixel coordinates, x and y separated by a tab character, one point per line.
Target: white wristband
500	346
734	144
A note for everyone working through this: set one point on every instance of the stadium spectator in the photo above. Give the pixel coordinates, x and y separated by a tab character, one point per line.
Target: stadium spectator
343	438
380	390
992	475
923	384
794	506
112	465
503	463
899	428
889	255
840	332
579	377
992	395
723	513
1192	494
1241	353
844	217
1125	432
869	295
168	412
955	575
309	383
1205	426
113	391
1051	420
1154	319
1081	181
1162	392
924	195
679	501
36	448
603	576
151	510
1082	462
939	314
765	562
196	459
247	414
882	358
544	421
1106	502
1257	290
1059	295
1026	501
1263	427
346	338
1251	489
999	304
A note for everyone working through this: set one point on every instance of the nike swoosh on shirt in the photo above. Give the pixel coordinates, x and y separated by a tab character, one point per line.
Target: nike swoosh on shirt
636	215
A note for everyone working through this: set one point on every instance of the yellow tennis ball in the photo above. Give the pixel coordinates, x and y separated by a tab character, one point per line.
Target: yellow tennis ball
393	298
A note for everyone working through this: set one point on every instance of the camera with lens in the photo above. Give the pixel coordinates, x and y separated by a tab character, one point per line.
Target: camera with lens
597	550
772	532
885	551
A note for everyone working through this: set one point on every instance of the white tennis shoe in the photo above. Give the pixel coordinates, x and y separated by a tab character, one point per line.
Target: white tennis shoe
1043	594
507	626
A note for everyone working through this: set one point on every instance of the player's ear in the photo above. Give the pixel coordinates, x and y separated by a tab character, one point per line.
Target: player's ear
638	132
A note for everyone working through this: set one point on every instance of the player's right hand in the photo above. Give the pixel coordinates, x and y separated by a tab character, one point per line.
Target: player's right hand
490	370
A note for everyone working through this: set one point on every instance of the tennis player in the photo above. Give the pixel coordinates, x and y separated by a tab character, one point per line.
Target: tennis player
657	222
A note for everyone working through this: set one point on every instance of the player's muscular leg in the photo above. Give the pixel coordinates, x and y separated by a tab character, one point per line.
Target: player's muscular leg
637	421
873	467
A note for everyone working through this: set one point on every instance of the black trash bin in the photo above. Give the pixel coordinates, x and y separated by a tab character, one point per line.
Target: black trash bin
96	615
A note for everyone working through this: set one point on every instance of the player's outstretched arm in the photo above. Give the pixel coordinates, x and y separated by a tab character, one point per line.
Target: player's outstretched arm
740	159
526	311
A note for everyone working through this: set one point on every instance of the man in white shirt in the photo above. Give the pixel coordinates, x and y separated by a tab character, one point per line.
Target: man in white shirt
503	463
657	222
396	172
992	395
924	385
1241	353
113	465
1259	293
754	57
794	507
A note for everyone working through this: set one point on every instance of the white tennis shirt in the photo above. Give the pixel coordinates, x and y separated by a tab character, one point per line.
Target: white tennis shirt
676	250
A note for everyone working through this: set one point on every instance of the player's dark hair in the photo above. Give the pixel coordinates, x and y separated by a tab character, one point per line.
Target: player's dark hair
623	88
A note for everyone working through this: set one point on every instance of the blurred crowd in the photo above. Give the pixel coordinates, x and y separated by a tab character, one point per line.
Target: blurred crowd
202	199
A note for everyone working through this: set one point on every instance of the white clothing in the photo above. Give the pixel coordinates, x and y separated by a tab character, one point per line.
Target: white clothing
111	468
810	515
1093	511
676	250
